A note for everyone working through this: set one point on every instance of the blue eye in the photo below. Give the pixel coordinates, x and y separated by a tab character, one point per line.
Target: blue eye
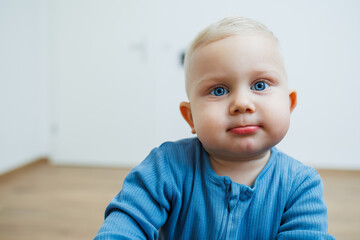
219	91
260	86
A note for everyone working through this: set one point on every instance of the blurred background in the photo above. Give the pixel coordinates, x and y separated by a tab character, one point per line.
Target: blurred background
98	83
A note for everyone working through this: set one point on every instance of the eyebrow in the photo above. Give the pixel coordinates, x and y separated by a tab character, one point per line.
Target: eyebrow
210	80
267	69
271	73
258	72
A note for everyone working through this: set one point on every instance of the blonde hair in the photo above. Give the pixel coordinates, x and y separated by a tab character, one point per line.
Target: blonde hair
224	28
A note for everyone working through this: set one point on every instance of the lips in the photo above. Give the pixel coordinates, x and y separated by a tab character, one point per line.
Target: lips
244	130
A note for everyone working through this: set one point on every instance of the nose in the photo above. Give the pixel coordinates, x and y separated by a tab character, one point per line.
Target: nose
241	103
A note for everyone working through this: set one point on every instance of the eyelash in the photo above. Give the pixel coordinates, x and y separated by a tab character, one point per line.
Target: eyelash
224	90
265	83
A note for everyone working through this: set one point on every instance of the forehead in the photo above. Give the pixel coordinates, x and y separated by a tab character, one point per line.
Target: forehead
236	54
244	51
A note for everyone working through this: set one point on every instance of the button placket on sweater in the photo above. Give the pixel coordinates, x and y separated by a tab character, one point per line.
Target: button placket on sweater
238	200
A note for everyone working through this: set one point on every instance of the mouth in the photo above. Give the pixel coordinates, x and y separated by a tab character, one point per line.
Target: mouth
244	130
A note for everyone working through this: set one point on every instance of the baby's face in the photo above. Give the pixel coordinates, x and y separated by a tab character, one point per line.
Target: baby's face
239	101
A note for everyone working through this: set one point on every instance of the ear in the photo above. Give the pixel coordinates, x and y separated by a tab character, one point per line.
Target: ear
185	110
293	99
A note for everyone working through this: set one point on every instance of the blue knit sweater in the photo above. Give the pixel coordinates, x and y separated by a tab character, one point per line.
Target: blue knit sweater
175	194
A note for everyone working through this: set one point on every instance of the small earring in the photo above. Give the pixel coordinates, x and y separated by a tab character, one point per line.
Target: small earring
193	131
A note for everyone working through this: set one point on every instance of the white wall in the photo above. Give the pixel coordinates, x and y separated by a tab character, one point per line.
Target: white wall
96	46
23	101
321	46
103	89
320	41
115	81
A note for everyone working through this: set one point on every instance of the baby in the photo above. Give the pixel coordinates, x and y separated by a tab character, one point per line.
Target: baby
229	182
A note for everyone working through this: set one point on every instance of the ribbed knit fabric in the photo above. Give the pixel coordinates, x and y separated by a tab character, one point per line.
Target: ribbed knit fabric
175	194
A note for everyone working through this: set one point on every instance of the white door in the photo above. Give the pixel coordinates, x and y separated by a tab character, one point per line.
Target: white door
102	86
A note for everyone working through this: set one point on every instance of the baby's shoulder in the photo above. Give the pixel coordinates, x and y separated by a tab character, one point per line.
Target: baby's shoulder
184	150
180	145
168	163
175	157
182	160
291	169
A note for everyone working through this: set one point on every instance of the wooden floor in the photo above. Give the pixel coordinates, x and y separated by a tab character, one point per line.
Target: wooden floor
47	202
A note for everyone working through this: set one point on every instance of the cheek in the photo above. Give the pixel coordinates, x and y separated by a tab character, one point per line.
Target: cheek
207	119
204	121
278	121
276	114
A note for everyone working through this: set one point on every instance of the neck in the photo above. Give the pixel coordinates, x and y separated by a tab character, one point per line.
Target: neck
243	171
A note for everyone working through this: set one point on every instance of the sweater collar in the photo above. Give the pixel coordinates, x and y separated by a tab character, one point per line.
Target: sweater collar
225	181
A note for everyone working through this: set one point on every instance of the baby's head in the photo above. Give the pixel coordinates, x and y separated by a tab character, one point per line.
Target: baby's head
237	87
224	28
